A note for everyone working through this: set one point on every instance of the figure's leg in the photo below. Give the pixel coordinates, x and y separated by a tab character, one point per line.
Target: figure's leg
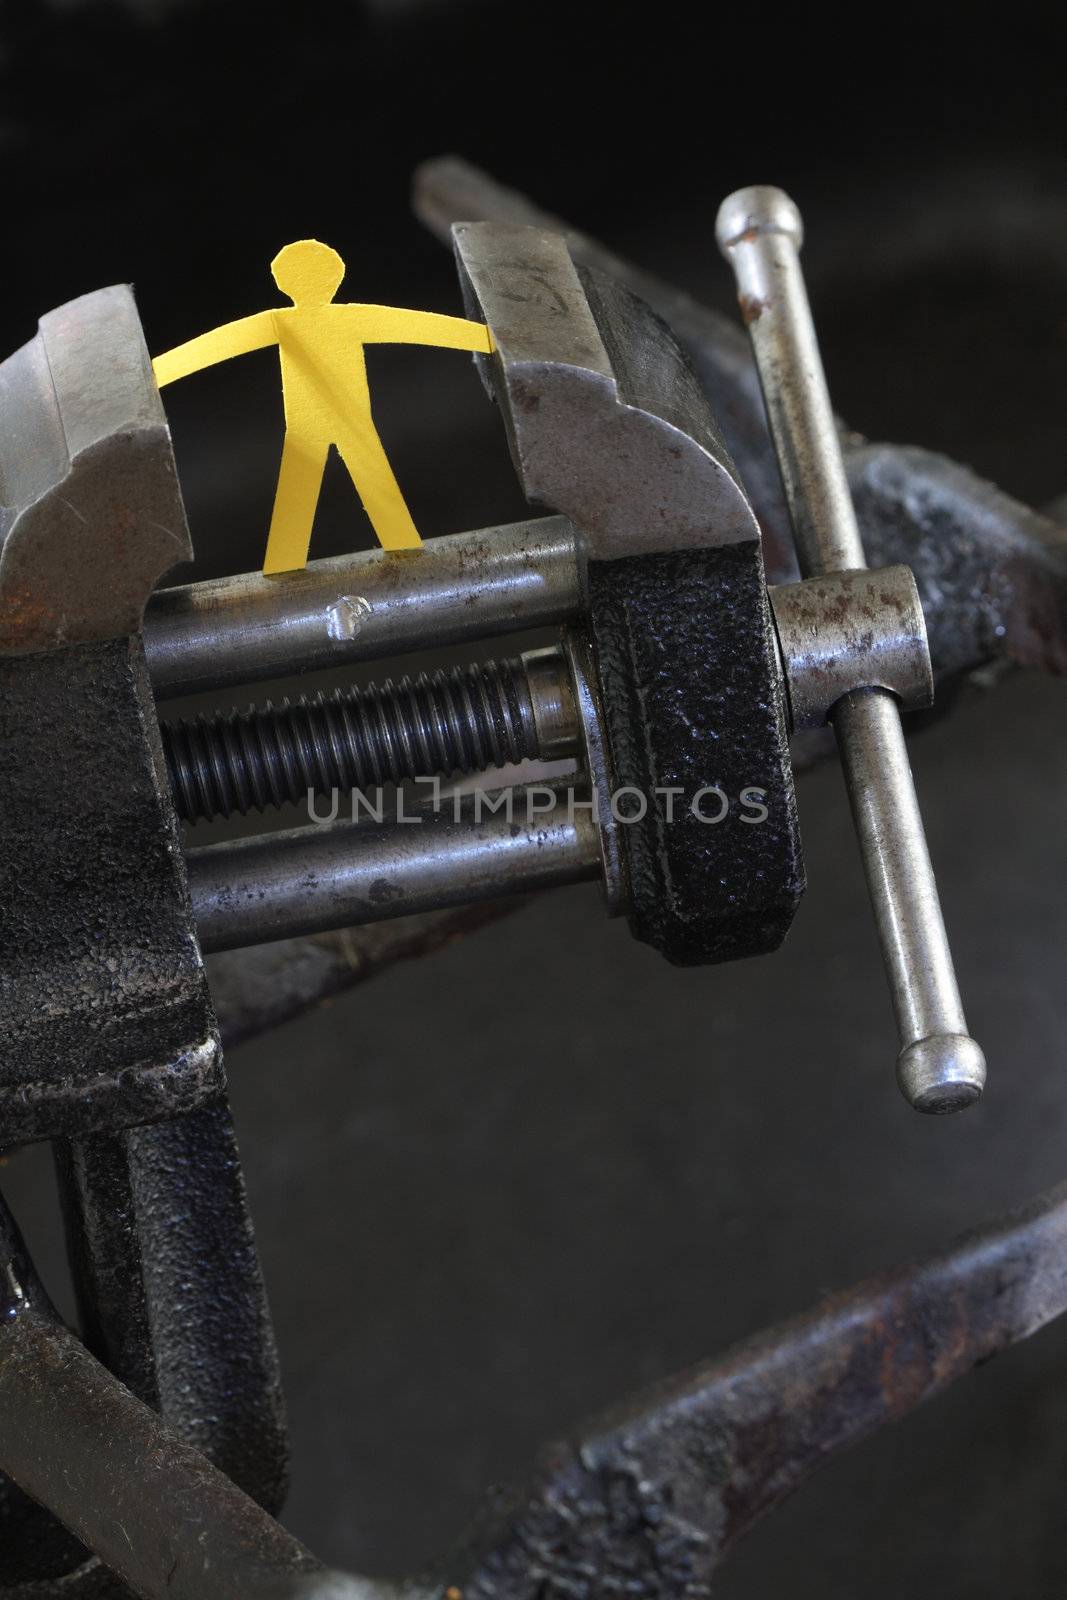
368	467
295	499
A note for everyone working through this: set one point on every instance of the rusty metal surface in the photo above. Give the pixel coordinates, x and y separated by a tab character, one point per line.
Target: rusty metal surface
992	573
648	1500
851	630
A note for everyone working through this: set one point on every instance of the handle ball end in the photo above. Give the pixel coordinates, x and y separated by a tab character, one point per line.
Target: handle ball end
942	1073
750	213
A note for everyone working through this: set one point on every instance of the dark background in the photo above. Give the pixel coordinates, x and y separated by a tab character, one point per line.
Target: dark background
497	1189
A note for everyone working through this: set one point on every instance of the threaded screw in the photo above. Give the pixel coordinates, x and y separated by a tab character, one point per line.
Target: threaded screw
464	719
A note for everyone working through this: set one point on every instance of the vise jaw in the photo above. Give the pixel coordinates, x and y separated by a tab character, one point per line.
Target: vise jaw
107	1018
607	424
604	416
110	1047
91	515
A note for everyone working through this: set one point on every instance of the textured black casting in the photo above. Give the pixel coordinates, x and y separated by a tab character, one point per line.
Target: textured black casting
693	698
109	1025
107	1017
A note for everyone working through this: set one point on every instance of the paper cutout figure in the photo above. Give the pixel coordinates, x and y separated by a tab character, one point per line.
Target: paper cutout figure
325	391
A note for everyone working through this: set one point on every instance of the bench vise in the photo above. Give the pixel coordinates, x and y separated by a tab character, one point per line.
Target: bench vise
670	693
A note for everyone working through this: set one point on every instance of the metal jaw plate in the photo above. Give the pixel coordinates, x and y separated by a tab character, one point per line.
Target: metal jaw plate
108	1021
607	424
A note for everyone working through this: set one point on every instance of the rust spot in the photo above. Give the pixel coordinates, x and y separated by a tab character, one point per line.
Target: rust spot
752	308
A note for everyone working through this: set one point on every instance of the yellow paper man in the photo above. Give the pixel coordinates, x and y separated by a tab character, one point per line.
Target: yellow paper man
325	391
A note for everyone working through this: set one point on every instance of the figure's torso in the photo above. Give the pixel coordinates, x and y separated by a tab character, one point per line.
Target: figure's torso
324	370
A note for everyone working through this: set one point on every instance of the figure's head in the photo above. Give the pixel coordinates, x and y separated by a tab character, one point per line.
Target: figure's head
308	272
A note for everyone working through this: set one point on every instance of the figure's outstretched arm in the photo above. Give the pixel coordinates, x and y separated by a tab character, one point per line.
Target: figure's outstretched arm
391	325
232	339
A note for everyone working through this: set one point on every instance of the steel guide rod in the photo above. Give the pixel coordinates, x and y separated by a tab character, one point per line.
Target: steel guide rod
346	609
940	1068
339	874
